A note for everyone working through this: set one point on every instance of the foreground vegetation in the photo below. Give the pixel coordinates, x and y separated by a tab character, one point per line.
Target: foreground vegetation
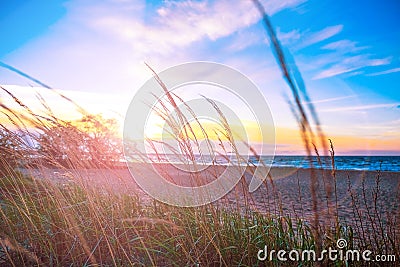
71	223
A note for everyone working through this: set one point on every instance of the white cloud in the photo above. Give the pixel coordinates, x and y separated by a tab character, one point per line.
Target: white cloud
333	71
394	70
179	24
344	46
331	99
349	64
101	45
299	39
363	107
324	34
345	56
245	39
287	38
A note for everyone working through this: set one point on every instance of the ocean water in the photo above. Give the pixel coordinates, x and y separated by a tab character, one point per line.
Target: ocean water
370	163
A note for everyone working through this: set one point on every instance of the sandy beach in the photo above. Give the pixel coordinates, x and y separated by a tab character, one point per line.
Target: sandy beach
287	193
353	189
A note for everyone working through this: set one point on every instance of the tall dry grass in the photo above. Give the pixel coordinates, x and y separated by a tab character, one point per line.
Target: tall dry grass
53	215
61	221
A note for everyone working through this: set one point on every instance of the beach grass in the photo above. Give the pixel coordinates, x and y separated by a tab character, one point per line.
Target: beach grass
62	225
68	221
53	215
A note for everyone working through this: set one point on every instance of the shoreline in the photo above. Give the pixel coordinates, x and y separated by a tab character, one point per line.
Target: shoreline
287	194
125	166
276	172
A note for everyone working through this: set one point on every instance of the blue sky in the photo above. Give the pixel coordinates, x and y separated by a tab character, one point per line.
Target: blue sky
347	52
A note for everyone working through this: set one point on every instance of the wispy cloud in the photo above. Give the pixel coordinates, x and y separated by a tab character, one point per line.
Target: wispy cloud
344	46
351	63
320	36
290	37
384	72
179	24
333	71
101	45
344	56
363	107
243	40
332	99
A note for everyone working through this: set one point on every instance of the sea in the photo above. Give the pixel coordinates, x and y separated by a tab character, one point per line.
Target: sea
360	163
366	163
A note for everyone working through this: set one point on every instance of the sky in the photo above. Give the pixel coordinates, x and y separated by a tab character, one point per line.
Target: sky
94	52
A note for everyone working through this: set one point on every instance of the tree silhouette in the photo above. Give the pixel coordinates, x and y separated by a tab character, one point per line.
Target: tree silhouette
9	150
91	139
